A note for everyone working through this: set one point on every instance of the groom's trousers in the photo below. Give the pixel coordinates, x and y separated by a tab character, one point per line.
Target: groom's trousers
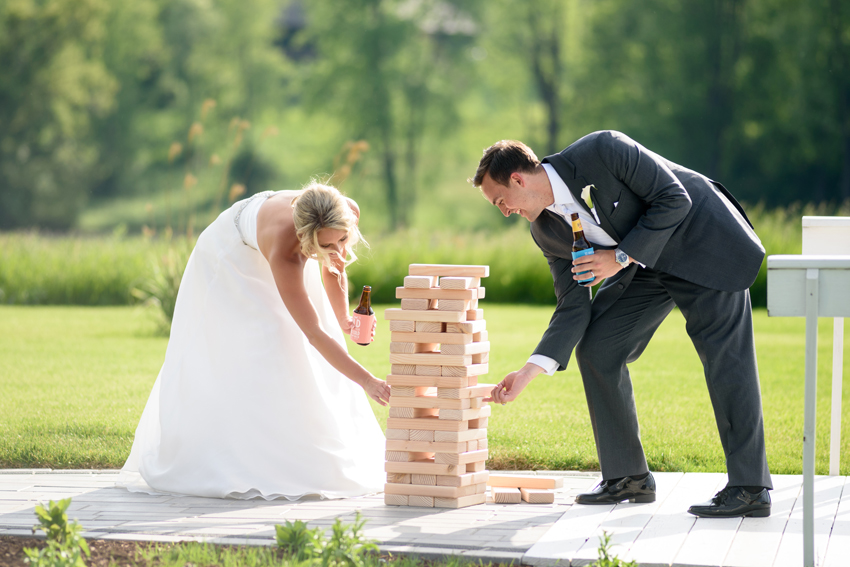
625	316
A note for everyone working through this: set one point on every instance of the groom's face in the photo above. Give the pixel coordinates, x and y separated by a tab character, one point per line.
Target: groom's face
515	198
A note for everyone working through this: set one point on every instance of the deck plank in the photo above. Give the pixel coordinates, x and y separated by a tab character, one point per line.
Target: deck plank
838	549
827	495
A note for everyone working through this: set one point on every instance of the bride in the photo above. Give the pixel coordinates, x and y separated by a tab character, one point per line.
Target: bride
258	396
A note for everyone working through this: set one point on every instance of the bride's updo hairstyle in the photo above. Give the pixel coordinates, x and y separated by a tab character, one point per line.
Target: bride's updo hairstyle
322	206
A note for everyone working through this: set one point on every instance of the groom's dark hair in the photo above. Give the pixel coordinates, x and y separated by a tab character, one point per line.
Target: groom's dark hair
502	159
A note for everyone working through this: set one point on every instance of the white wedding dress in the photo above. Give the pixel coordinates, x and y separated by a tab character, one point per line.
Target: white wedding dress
244	406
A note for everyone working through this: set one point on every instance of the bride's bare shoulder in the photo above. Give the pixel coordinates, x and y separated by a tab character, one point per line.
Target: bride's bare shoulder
275	229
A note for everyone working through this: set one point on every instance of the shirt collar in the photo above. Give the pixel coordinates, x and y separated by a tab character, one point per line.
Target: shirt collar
559	189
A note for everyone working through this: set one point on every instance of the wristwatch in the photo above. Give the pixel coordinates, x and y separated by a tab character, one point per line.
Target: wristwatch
621	258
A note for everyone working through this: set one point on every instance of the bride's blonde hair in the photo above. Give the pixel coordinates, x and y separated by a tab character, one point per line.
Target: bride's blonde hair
322	206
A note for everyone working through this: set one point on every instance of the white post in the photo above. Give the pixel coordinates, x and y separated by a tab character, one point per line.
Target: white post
837	371
810	405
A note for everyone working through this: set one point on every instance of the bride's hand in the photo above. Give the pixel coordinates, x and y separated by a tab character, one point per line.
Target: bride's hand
347	324
378	390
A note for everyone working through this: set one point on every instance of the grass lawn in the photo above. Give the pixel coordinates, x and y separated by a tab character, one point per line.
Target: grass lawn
74	381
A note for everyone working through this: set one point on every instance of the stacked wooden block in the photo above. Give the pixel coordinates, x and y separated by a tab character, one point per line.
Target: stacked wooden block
437	428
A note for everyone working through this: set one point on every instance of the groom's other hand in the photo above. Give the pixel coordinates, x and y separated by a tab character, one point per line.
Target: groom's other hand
509	389
601	263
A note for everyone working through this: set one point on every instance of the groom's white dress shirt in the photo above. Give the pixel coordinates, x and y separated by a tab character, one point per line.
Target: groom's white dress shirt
563	206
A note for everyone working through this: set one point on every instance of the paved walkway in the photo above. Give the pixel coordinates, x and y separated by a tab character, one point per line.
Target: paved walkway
661	533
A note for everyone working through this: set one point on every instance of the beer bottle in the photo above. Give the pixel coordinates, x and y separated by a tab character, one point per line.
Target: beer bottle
581	247
364	318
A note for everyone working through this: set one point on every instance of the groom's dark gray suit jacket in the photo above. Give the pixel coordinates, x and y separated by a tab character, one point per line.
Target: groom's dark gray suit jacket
667	217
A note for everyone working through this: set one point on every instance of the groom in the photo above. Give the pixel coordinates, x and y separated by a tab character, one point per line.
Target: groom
663	236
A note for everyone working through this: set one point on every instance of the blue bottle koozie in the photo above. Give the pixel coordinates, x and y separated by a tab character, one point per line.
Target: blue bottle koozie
579	254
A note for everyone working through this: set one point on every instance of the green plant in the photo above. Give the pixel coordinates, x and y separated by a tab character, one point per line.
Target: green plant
605	557
345	548
159	289
65	545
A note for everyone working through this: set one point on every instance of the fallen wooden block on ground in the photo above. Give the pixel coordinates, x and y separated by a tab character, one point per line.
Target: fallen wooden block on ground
525	481
506	495
536	496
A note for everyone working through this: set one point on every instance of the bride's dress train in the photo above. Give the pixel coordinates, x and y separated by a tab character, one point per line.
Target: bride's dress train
244	406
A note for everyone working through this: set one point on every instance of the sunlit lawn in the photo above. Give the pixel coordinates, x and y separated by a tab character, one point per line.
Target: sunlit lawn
74	381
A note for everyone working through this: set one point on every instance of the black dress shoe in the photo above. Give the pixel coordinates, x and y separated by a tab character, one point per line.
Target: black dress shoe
734	502
613	491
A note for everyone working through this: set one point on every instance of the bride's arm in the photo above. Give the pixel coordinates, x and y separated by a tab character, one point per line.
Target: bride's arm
336	286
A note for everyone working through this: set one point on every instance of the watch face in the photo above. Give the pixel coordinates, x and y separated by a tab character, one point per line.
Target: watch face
621	257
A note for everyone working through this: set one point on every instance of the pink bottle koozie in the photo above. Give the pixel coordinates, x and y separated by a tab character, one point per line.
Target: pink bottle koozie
362	328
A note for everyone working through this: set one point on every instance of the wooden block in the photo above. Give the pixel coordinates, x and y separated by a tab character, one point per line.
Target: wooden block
403	369
410	412
424	467
402	326
474	303
526	481
394	314
426	435
404	391
476	402
432	423
427	370
430	327
395	499
481	358
407	456
454	305
478	391
398	434
437	293
468	370
413	348
470	445
480	293
460	436
465	414
478	337
430	381
424	479
461	502
475	315
427	446
464	479
398	478
427	402
418	304
468	327
480	422
432	338
460	458
537	496
459	282
468	348
482	443
431	359
449	270
477	466
421	501
506	495
419	282
433	490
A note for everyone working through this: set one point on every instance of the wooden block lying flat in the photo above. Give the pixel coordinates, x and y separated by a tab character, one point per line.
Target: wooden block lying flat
468	327
395	499
410	412
477	466
468	370
407	456
506	495
470	445
424	467
432	490
403	369
460	458
481	390
427	402
398	478
475	315
465	414
427	446
413	348
430	327
449	270
482	443
479	422
476	402
419	282
422	435
398	434
462	480
431	359
418	304
462	502
523	481
478	337
432	423
481	358
468	348
480	294
429	381
402	326
425	479
427	370
460	436
454	305
432	338
420	501
411	391
437	293
536	496
395	314
459	282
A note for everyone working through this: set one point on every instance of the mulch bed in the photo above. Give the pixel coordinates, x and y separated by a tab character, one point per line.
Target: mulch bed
121	553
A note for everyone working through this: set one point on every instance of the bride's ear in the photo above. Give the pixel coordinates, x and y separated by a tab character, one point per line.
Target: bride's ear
354	208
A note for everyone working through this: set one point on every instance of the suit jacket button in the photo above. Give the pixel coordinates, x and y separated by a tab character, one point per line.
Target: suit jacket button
620	286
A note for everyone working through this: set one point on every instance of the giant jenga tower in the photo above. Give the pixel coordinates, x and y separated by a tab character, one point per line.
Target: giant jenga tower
437	428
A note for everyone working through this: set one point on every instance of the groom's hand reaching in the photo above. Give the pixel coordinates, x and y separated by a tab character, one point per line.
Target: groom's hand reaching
509	389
